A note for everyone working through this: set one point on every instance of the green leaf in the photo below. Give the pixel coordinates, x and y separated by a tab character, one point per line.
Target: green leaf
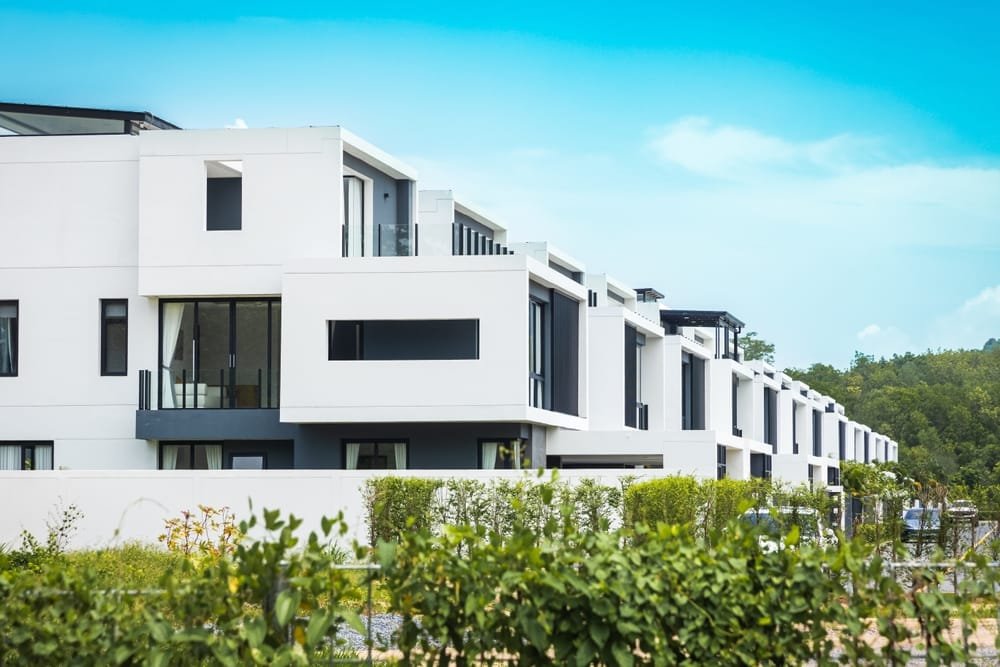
286	605
255	629
318	626
623	656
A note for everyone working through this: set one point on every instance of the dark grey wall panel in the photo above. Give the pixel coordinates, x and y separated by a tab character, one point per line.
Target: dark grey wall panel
463	219
386	208
631	371
211	425
697	393
431	446
565	354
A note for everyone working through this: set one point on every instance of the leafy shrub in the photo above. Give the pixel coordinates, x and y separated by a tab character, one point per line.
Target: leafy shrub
33	552
211	533
394	505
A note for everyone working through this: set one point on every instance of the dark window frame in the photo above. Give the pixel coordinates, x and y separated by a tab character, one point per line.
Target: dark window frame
27	454
213	223
191	444
372	441
107	320
14	335
523	444
537	389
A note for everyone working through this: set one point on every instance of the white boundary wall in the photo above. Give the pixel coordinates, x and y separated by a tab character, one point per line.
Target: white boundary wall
131	505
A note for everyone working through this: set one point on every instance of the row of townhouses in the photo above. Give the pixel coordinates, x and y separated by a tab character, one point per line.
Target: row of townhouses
289	298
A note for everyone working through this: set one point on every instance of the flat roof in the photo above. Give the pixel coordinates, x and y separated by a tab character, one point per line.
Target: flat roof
700	318
40	119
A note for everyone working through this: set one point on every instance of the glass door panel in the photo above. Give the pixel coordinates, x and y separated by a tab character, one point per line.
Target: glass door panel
213	389
250	354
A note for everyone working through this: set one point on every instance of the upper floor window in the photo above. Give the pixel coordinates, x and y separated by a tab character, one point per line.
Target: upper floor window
25	456
354	216
224	196
8	338
114	337
403	340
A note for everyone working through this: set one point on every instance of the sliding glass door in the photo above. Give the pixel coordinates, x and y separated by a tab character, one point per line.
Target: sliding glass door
220	353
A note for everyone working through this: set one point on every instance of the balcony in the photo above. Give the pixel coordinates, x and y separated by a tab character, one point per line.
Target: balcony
437	239
221	388
738	432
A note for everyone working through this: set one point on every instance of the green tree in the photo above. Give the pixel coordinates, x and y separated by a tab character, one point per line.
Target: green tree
756	348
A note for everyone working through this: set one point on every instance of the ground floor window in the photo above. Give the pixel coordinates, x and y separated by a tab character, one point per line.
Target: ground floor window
190	456
508	454
25	456
376	455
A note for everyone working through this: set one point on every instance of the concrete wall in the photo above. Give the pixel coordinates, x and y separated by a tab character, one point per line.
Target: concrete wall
123	506
292	207
68	220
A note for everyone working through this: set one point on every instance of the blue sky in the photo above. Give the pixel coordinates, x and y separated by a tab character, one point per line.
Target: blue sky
831	175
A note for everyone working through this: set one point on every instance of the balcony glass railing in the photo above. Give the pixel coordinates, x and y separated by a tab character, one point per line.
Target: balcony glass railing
436	239
392	241
216	388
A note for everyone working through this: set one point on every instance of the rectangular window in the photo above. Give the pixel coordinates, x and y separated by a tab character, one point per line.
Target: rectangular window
760	465
770	417
403	340
220	354
114	337
354	217
190	456
224	196
8	338
248	462
817	433
842	441
504	454
26	455
720	461
376	455
536	357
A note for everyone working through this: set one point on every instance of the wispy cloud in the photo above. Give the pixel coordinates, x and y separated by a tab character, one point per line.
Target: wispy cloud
730	152
237	124
868	331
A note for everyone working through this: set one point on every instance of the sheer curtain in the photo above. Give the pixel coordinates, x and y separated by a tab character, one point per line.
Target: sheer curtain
169	457
399	449
173	313
10	457
43	457
352	449
489	455
354	219
213	454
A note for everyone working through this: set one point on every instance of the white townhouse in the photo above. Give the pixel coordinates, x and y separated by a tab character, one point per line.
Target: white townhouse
288	298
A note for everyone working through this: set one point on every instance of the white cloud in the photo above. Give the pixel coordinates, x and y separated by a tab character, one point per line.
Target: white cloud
870	330
986	302
238	124
738	153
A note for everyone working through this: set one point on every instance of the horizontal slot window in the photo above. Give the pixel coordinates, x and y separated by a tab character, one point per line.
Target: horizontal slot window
403	340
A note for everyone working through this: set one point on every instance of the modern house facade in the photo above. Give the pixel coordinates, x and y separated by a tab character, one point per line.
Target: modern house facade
290	298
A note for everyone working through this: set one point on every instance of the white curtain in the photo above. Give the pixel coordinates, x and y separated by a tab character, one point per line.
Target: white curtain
43	457
7	314
213	454
169	456
173	313
399	449
516	444
489	455
354	202
353	448
10	457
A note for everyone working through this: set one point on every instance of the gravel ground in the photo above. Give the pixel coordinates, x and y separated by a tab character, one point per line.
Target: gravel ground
383	628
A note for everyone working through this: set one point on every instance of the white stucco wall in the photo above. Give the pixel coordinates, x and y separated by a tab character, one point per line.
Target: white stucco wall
122	506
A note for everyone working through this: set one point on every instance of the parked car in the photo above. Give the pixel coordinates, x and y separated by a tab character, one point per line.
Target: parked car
777	521
921	522
962	510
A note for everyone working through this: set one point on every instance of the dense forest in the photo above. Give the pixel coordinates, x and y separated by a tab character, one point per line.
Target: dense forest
942	407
